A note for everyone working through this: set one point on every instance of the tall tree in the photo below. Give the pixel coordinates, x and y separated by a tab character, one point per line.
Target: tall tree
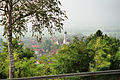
43	14
73	58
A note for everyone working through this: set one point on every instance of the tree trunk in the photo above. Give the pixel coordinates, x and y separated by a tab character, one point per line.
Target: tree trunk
11	56
10	48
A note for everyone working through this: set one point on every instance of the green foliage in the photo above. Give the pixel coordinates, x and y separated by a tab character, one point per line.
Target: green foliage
18	49
27	68
73	58
99	33
102	53
42	14
23	59
4	62
106	50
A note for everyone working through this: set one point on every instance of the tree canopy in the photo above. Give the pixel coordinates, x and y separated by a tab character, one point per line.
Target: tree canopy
103	53
43	14
73	58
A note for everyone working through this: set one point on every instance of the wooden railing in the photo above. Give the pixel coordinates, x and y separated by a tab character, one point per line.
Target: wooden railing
82	74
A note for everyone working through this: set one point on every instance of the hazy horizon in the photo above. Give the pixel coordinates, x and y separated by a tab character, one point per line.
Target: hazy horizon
91	15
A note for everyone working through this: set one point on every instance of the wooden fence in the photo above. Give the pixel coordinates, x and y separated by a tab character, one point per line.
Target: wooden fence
82	74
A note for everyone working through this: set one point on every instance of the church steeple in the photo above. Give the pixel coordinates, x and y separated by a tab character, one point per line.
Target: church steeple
64	41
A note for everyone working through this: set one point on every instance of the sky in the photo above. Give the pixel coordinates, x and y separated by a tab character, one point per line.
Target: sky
91	15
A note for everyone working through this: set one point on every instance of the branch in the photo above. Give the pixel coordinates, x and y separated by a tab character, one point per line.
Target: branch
3	10
16	2
22	16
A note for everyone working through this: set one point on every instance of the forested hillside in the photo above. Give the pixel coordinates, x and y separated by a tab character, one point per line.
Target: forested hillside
99	50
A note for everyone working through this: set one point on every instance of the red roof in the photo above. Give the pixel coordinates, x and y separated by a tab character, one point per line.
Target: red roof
34	46
54	51
37	49
37	62
40	55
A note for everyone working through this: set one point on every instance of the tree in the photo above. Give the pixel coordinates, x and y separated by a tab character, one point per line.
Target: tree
43	14
24	62
21	56
73	58
99	33
106	51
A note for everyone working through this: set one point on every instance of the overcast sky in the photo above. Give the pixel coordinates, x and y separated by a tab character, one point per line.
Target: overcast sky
90	15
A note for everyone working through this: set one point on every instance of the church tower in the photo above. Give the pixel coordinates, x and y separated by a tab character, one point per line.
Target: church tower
65	40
